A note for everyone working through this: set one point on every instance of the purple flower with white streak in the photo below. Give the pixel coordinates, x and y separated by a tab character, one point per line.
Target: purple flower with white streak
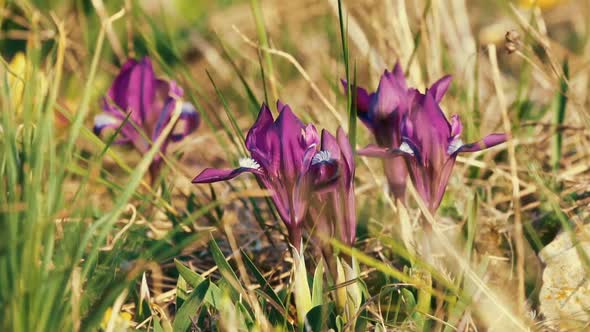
382	112
430	145
149	102
285	159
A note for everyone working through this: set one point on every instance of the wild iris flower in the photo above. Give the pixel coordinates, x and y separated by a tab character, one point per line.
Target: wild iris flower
284	157
333	210
382	112
149	103
430	144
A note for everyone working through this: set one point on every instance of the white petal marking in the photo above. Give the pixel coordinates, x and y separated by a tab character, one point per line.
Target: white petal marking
249	163
455	145
102	120
321	157
405	147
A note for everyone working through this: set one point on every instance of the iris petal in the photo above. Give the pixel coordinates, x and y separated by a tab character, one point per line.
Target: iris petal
486	142
210	175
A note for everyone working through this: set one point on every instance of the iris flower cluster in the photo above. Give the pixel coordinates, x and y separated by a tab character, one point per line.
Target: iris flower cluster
310	176
414	136
300	170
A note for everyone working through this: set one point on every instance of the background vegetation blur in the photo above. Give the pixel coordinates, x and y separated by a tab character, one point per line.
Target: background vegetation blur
86	243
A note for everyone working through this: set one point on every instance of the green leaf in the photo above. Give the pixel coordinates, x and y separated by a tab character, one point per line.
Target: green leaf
264	285
561	103
157	325
183	317
194	279
181	291
409	300
317	295
226	270
191	277
319	318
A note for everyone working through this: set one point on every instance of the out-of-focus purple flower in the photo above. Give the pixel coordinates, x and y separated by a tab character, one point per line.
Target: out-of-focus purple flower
382	112
333	210
149	102
284	157
430	145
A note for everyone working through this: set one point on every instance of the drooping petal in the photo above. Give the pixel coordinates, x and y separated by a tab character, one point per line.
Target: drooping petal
105	121
129	131
373	150
210	175
187	123
486	142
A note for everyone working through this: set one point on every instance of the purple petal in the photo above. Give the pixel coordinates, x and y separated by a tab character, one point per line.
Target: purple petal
373	150
187	123
128	132
281	106
396	173
210	175
429	130
387	97
330	144
398	74
440	185
104	121
287	132
257	140
164	116
456	126
363	98
487	142
440	87
302	188
309	136
345	149
133	89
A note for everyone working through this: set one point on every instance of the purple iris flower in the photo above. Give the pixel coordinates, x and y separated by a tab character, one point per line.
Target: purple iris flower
430	145
284	157
333	210
382	112
149	102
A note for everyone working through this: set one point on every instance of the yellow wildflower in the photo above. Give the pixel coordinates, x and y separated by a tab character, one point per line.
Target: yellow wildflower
543	4
20	71
121	321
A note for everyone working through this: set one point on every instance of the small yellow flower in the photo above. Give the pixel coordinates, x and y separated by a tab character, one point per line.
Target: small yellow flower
16	76
121	321
543	4
20	72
